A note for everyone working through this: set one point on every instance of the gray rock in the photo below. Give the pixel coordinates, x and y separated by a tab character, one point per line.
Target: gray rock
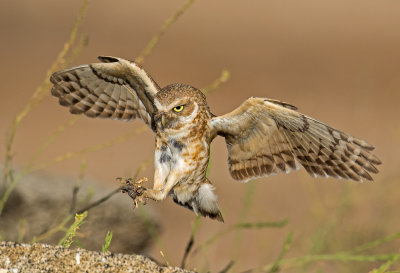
41	201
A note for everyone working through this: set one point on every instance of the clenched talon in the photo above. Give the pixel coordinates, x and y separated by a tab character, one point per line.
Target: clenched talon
133	189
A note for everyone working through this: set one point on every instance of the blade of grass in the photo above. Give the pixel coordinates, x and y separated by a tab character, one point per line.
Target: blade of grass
107	241
164	258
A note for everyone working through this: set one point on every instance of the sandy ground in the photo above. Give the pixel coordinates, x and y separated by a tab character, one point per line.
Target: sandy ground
338	61
46	258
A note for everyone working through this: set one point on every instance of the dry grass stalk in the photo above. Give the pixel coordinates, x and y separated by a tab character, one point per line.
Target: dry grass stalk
223	78
156	38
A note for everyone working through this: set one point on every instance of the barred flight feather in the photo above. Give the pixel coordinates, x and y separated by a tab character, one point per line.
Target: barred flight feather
103	90
290	139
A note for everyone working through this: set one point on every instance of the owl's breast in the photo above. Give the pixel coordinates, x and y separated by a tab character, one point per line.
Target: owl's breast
186	156
194	160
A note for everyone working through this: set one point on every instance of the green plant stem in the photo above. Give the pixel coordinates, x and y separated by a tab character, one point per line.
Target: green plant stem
68	239
52	231
375	243
341	257
189	245
286	246
247	204
227	267
384	267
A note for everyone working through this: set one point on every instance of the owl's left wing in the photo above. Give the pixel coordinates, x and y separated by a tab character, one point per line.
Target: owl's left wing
265	137
115	88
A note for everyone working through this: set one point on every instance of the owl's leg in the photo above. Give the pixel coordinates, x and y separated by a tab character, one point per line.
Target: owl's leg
164	181
161	188
200	198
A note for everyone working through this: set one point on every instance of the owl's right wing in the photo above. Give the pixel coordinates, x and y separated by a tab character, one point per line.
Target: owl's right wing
115	88
266	137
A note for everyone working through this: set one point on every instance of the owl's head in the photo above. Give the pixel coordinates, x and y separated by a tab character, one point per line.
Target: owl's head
180	105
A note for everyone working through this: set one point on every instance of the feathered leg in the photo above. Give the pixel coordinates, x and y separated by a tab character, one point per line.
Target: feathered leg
198	197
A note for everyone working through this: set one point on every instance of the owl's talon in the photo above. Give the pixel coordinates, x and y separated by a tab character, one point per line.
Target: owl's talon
134	190
141	181
140	199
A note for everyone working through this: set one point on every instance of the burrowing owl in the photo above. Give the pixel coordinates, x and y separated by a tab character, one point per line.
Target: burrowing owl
263	136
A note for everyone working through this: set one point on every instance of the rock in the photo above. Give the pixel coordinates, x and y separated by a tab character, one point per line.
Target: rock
41	202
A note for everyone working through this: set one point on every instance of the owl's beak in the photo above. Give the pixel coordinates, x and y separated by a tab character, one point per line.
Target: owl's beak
163	120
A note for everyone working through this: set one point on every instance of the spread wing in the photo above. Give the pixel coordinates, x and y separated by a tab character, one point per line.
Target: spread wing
265	137
116	88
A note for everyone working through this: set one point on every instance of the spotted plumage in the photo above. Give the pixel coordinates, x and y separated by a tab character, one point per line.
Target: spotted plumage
263	136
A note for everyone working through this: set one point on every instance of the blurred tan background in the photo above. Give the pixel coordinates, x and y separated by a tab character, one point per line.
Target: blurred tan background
338	61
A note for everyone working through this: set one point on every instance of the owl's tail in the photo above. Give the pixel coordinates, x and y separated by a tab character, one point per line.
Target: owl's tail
203	202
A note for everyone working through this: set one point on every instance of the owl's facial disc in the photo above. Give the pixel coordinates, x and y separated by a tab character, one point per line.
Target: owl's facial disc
177	114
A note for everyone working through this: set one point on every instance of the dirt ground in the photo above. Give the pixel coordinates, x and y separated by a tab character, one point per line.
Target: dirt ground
338	61
47	258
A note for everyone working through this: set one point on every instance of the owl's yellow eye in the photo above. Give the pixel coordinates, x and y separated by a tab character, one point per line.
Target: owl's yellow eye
178	108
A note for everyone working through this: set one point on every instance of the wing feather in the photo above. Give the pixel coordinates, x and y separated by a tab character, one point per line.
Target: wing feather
116	88
266	137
